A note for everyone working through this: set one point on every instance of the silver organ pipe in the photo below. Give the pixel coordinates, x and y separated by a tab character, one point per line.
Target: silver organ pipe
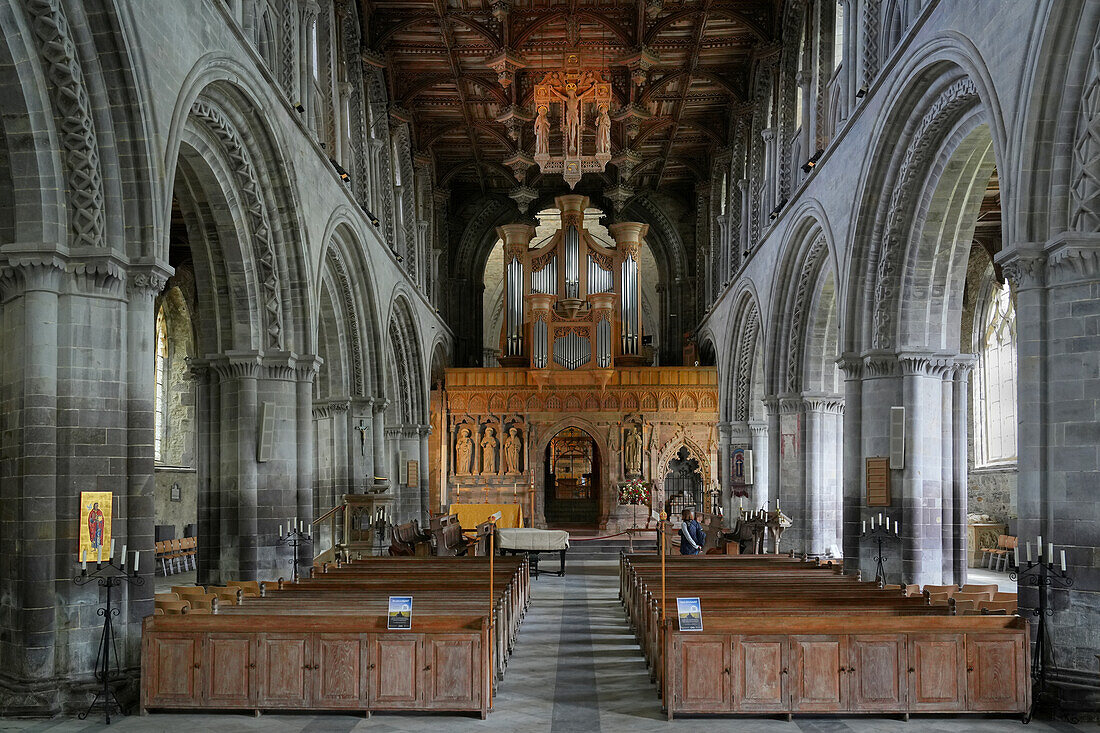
572	263
629	300
603	344
599	279
546	279
539	347
572	351
515	308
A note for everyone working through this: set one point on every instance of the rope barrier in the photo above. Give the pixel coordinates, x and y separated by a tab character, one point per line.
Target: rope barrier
609	536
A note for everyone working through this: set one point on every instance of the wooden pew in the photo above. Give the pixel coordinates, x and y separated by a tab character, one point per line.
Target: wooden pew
319	643
786	636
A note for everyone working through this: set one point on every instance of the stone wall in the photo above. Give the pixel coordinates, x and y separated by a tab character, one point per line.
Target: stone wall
176	513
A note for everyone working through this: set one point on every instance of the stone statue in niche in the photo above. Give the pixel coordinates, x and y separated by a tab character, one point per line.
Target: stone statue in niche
603	132
513	447
542	131
632	451
489	453
464	452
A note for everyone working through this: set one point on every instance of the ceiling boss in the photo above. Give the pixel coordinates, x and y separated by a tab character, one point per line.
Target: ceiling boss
574	97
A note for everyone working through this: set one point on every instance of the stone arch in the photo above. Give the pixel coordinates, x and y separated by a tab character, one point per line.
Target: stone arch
540	438
940	105
669	450
743	384
407	384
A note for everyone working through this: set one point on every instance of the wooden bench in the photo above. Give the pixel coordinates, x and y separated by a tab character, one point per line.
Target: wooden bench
447	536
322	644
781	636
407	540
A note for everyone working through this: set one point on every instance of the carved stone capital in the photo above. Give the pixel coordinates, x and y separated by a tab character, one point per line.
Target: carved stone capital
725	431
921	364
237	364
1073	258
758	428
147	279
307	366
962	366
380	404
880	364
280	365
851	364
790	404
30	271
1024	266
827	403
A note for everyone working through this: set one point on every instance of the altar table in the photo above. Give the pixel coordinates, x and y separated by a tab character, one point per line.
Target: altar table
471	515
532	542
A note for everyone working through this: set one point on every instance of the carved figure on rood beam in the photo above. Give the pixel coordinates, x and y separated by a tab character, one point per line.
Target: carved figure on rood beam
489	453
512	446
464	450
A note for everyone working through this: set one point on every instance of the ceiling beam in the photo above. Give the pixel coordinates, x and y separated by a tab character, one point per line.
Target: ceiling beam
681	103
456	72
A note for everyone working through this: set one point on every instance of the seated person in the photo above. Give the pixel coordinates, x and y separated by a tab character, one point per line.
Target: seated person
692	536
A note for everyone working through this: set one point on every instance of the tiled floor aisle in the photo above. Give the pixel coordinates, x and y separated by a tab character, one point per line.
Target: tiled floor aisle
576	669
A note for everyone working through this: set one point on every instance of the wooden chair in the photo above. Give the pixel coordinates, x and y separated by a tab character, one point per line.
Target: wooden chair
203	603
409	540
967	608
175	555
173	607
912	589
189	547
937	599
162	549
989	590
173	596
1003	596
158	611
998	607
249	588
185	591
950	590
227	595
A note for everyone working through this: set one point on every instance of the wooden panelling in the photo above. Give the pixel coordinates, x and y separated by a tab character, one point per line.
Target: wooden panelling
702	666
172	678
876	672
337	680
229	667
762	673
994	679
284	672
452	672
878	481
394	671
937	677
820	674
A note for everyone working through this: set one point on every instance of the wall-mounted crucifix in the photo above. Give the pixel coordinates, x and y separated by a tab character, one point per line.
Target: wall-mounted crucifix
362	428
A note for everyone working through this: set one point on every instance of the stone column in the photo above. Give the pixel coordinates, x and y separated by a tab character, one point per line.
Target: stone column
770	491
879	389
961	417
852	460
746	214
724	466
305	372
921	535
771	174
425	503
378	436
240	372
822	492
144	282
947	471
206	452
760	462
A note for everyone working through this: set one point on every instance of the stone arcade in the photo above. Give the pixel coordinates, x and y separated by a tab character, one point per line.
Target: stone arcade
259	256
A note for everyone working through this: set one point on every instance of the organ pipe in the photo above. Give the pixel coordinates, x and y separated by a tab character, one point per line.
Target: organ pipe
546	279
599	279
572	263
539	356
515	308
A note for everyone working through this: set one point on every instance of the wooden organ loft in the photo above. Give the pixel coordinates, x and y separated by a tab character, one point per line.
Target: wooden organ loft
572	303
573	363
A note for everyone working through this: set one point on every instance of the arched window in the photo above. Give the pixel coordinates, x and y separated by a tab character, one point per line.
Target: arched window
314	51
838	35
995	402
160	387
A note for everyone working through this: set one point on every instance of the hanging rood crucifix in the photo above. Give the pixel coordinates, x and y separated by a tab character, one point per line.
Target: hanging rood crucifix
362	428
574	90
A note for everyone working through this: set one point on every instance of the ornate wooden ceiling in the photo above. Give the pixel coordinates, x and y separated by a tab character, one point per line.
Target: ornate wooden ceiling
463	72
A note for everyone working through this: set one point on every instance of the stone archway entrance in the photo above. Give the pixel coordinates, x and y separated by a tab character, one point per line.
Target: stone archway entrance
684	484
572	480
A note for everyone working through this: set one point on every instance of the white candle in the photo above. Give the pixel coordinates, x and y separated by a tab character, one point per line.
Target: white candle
137	554
1027	546
124	556
280	530
880	519
1050	552
872	524
864	526
84	560
112	553
1039	548
1016	553
1063	561
99	554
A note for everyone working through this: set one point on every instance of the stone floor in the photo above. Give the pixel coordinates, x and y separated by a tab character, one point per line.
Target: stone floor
575	669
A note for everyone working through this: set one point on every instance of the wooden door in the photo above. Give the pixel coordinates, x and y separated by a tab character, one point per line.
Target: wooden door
172	670
701	673
229	668
996	674
762	674
876	673
284	664
819	665
338	679
453	671
394	678
937	672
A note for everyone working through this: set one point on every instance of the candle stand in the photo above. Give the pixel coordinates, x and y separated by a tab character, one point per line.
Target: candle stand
879	534
379	527
295	538
1041	575
108	576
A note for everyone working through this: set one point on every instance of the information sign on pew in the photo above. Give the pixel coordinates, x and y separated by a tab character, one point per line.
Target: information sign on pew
401	613
690	612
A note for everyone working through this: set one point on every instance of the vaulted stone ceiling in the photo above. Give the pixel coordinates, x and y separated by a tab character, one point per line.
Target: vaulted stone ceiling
456	69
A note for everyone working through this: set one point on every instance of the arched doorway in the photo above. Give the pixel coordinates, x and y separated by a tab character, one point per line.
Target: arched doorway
572	479
684	484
